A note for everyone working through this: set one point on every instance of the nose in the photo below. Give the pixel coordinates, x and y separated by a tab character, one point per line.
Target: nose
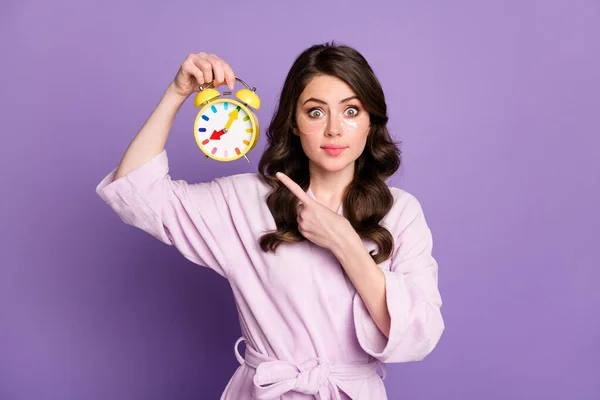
334	126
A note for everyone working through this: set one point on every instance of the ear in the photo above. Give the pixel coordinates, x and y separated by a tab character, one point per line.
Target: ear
294	125
295	129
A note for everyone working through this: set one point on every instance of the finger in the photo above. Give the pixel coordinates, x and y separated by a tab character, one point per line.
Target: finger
190	68
293	187
302	212
205	67
229	76
218	69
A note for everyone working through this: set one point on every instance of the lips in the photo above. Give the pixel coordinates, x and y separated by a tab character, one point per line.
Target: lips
334	150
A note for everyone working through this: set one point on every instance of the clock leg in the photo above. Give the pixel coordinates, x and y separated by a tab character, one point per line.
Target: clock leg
246	159
205	157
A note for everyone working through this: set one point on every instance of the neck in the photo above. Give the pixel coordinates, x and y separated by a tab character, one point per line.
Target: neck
328	187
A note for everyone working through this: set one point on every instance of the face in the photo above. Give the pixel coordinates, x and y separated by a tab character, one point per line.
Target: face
331	123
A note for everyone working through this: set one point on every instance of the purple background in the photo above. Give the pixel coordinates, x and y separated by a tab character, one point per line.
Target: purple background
496	104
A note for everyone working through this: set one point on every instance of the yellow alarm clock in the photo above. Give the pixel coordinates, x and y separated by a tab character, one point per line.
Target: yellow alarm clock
225	128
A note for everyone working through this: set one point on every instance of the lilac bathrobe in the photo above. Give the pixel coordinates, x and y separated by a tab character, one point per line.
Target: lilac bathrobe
307	331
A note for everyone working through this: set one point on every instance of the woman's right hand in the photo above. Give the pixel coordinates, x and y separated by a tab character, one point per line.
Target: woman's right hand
200	69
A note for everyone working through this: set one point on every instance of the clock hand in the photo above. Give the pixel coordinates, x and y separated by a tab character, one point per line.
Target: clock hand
232	117
216	135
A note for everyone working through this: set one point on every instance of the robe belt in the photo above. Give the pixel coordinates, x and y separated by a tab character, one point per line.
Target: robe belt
314	376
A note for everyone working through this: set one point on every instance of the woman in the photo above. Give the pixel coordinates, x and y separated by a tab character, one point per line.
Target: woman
331	269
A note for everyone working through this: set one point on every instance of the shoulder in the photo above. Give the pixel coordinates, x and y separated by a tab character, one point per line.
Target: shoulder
405	209
248	180
405	201
243	185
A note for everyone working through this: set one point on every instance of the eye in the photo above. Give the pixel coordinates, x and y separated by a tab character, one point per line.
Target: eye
315	113
352	111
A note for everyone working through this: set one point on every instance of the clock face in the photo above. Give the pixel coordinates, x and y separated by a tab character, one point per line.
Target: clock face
224	129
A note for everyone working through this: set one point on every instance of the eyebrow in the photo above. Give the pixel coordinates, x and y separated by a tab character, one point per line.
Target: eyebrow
322	102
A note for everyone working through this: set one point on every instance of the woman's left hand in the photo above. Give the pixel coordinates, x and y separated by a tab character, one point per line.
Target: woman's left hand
316	222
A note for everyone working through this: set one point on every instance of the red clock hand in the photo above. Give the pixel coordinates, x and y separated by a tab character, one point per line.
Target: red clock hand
216	135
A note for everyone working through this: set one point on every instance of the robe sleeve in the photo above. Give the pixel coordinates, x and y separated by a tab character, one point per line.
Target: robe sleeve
412	296
194	218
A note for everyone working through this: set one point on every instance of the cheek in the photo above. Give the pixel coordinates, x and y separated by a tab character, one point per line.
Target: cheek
310	143
358	143
358	139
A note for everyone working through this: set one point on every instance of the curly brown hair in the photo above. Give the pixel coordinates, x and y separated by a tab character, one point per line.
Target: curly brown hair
367	199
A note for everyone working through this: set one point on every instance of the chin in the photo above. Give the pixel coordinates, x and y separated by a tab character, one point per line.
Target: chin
333	165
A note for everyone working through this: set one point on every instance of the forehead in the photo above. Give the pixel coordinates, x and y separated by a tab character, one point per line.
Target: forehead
328	88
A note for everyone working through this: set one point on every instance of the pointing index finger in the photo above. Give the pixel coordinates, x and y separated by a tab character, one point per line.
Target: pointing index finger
294	187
